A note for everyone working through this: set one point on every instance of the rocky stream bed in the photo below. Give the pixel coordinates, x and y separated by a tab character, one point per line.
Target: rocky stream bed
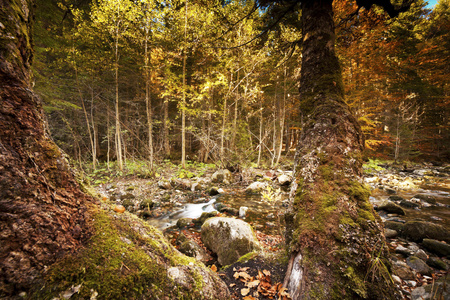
414	203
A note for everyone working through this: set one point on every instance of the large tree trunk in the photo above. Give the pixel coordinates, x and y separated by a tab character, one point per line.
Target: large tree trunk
335	239
44	217
42	210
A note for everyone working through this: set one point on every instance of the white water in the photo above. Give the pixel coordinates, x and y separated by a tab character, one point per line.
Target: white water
191	210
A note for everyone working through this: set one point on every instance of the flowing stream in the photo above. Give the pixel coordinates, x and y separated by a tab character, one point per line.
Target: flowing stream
261	213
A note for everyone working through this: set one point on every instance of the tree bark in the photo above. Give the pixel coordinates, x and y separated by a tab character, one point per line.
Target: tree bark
42	210
335	239
43	213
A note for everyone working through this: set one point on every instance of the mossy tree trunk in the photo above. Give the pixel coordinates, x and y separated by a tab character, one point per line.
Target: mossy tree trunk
42	210
335	239
46	220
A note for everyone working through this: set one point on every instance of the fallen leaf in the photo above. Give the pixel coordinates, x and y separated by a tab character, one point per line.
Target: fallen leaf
267	273
214	268
253	284
232	284
249	298
245	291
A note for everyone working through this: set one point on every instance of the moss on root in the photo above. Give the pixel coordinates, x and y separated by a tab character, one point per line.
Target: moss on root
124	259
339	236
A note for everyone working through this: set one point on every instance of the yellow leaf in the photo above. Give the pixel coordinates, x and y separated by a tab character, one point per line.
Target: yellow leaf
253	284
245	291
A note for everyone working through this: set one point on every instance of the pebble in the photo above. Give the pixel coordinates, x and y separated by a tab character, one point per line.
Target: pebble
119	209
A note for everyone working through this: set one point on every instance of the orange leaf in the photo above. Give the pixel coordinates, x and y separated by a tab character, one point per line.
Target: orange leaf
214	268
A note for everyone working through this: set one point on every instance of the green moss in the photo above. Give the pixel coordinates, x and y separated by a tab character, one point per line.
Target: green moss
356	283
111	265
118	263
359	191
249	256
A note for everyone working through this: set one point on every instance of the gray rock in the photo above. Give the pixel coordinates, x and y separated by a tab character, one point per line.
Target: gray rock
438	290
191	248
196	186
403	250
211	289
408	204
242	211
390	233
419	265
183	222
221	176
228	238
403	271
256	187
419	294
416	231
439	248
164	184
284	179
421	254
426	198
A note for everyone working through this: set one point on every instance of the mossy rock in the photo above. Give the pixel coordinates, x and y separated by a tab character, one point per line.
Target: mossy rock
391	207
397	226
146	204
437	263
184	222
128	196
436	247
396	198
128	259
416	231
419	265
128	203
204	217
229	238
408	204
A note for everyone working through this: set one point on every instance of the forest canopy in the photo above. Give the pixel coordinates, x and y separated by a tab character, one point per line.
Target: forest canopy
143	79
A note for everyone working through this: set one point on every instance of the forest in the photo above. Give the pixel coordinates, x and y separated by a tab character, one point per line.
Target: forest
222	149
142	81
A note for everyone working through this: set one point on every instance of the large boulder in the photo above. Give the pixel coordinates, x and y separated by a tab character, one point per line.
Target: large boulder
228	238
416	231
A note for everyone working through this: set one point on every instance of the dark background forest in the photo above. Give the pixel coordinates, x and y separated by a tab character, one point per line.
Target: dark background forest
128	81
